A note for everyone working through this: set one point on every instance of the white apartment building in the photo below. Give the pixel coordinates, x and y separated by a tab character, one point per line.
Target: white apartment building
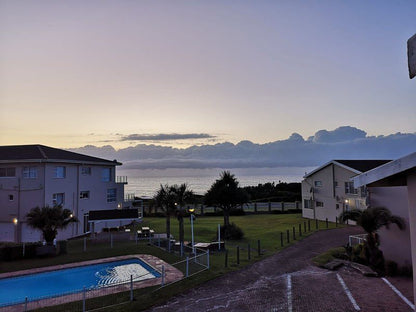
328	190
37	175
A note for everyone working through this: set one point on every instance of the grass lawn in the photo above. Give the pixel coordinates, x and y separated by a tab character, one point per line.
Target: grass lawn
264	227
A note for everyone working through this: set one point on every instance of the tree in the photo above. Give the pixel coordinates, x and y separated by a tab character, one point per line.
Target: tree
49	220
226	195
371	220
182	195
164	198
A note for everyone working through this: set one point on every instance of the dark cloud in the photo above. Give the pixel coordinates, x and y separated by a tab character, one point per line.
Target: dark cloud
166	137
341	143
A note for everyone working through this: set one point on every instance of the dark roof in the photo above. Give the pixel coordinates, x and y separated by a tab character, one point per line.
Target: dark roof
364	164
46	153
115	214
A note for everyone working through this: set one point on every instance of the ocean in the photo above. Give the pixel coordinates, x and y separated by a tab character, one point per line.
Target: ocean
146	182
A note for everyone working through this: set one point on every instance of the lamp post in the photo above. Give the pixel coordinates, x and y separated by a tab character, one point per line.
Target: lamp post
15	222
191	211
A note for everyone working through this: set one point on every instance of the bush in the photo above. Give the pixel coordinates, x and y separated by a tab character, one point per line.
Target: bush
391	268
232	232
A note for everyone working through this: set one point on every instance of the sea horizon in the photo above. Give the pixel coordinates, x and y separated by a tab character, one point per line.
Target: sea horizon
146	182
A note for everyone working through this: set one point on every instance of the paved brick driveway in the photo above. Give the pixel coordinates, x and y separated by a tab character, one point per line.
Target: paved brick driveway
288	281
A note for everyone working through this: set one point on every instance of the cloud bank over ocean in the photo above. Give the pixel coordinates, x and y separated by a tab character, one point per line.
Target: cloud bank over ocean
342	143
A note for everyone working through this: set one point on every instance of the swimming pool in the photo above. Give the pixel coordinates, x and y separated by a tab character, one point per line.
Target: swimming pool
14	290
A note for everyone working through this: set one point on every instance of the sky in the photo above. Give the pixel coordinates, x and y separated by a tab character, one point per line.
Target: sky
184	73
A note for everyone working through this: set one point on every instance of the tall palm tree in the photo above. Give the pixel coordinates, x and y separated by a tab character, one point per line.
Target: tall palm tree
226	195
165	199
183	195
371	220
49	220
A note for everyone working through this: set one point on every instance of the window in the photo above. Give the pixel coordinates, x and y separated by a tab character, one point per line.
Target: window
11	197
336	183
111	195
363	190
319	204
337	206
30	172
84	194
58	199
7	172
318	183
306	203
349	188
60	172
106	175
86	170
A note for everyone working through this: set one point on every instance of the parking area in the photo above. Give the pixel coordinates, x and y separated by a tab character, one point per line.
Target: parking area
288	281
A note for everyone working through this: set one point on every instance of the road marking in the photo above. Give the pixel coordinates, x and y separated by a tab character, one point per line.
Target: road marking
347	291
289	293
411	305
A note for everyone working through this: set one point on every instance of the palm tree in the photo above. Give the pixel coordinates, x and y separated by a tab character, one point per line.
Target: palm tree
49	220
165	199
371	220
183	195
226	195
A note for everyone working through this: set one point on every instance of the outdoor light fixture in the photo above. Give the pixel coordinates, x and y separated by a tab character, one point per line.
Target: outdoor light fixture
15	221
346	201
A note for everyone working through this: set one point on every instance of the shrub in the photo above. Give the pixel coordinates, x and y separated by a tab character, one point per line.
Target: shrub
233	232
391	268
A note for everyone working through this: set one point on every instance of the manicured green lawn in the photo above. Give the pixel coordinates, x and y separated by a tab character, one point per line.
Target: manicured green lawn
265	228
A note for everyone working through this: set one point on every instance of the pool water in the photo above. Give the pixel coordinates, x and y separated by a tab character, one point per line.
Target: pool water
54	283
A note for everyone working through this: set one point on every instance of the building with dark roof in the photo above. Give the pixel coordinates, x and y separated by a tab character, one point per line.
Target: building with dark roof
37	175
328	190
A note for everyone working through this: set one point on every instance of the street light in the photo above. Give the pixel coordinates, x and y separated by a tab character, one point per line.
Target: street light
191	211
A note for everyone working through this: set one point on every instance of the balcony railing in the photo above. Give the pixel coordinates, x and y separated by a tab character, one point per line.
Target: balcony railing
121	179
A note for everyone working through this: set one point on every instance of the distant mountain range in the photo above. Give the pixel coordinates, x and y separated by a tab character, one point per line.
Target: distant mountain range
342	143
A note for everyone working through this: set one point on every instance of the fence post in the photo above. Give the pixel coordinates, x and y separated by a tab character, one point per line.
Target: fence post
238	254
281	239
258	248
283	206
181	248
131	287
248	252
309	225
294	233
316	224
163	275
270	207
336	221
304	226
136	237
187	266
219	237
158	240
83	299
208	258
85	244
226	258
255	207
300	229
326	220
287	235
26	304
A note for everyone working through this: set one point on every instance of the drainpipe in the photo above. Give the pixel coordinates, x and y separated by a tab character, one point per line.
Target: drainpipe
18	227
77	202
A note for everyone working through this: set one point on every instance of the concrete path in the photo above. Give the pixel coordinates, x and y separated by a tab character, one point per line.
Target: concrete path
288	281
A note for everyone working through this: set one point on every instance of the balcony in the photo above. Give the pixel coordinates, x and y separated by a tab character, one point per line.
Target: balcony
121	179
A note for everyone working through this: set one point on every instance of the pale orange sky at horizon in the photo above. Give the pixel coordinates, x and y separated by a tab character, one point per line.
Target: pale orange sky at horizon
77	73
